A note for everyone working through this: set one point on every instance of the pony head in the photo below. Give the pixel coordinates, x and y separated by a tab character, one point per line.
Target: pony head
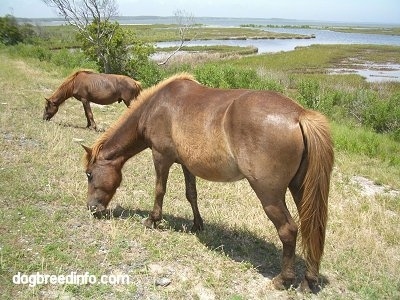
50	109
104	177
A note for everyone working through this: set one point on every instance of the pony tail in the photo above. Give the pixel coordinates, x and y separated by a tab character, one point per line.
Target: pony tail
313	207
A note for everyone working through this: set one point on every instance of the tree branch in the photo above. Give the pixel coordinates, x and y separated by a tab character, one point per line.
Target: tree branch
185	23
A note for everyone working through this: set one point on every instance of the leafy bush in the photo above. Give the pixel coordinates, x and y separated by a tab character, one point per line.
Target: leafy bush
118	50
105	43
358	140
309	91
211	75
362	106
384	115
72	59
140	66
231	77
147	72
11	33
32	51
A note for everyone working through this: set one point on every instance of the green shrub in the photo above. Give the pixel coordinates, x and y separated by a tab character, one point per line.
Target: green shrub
233	77
359	140
211	75
146	71
383	115
12	33
309	90
30	51
267	84
72	59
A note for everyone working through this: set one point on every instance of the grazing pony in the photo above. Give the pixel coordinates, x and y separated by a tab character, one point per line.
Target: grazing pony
226	135
88	86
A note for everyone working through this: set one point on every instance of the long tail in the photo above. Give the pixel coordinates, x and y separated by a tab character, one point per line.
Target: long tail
313	208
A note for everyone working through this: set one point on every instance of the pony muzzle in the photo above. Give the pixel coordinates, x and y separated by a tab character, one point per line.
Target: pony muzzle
95	207
48	115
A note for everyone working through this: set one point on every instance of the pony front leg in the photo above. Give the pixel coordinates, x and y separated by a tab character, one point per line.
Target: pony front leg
162	170
89	115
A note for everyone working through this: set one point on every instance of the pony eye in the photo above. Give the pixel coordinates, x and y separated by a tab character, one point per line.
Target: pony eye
89	176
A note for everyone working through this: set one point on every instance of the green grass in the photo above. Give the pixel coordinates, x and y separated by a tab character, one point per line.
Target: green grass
221	49
158	33
318	57
361	141
44	225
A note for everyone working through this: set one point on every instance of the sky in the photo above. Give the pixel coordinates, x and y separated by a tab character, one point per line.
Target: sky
377	11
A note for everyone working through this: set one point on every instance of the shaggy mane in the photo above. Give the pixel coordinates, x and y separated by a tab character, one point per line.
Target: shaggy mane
68	84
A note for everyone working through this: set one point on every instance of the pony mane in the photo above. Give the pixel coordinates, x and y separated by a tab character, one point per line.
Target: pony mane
66	87
143	97
147	93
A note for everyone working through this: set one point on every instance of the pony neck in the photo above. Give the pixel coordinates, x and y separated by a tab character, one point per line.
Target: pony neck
59	97
64	91
123	140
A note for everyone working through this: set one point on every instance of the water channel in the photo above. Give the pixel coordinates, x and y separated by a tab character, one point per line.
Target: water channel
372	72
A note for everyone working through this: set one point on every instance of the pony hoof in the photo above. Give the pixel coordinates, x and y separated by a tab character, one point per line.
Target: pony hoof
304	287
149	223
197	228
308	286
281	284
91	127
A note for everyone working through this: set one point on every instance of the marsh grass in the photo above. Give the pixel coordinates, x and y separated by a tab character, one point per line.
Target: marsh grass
157	33
44	225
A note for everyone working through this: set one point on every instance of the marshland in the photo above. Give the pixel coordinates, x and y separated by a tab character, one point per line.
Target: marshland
45	227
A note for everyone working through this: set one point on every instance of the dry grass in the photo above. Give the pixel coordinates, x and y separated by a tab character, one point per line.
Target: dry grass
44	226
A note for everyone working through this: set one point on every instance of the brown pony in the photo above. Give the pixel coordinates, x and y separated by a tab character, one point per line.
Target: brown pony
226	135
88	86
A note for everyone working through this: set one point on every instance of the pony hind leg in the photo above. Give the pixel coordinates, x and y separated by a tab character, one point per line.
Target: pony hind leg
273	203
191	196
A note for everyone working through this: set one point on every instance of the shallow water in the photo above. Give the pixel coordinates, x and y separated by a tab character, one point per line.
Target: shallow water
372	72
277	45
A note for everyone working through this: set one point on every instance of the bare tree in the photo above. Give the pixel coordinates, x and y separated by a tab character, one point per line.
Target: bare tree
185	23
82	13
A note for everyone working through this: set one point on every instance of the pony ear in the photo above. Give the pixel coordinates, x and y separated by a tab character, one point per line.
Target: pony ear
87	149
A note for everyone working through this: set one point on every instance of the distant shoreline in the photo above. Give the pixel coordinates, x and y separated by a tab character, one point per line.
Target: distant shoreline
216	21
